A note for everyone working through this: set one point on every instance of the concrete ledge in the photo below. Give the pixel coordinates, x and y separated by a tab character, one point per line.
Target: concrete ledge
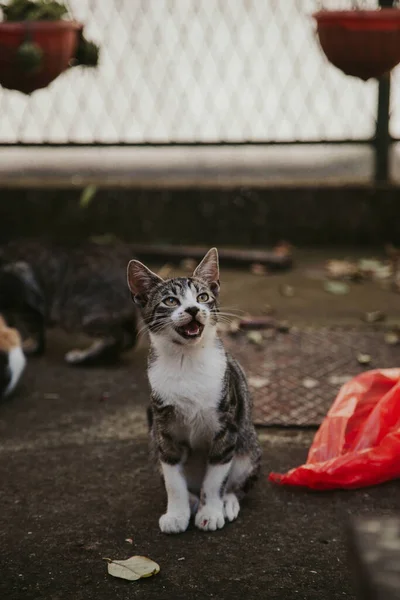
190	167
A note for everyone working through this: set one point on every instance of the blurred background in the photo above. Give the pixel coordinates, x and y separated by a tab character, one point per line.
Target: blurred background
200	72
234	100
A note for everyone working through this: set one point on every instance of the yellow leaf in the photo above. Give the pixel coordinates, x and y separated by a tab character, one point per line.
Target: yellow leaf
133	568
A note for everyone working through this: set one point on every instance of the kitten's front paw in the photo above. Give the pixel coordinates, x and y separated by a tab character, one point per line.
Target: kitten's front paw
210	517
231	506
174	522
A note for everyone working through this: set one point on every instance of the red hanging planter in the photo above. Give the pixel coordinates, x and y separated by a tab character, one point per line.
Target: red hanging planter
362	43
55	40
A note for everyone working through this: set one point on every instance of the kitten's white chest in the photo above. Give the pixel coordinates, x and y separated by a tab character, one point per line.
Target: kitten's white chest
193	384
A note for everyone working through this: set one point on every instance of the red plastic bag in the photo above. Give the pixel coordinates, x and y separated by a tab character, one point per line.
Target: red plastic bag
358	443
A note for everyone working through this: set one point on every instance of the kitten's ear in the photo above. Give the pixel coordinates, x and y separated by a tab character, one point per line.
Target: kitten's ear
208	270
141	280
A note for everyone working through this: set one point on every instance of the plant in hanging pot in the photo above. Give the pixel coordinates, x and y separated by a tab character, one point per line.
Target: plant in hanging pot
362	43
38	41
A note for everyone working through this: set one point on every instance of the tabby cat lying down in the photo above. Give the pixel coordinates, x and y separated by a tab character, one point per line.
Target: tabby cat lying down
79	289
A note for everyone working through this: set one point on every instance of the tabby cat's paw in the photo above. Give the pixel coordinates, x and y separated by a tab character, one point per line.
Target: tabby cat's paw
74	357
174	522
231	506
210	517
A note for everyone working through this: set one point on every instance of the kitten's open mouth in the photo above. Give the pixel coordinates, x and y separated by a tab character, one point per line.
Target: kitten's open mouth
193	329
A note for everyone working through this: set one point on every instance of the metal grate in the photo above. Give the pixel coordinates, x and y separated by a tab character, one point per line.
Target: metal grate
184	71
322	356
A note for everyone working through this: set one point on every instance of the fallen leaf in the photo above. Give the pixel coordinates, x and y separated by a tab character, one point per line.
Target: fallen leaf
391	338
374	316
132	568
129	540
339	379
287	291
87	195
370	265
234	327
258	269
341	269
309	383
339	288
267	309
255	337
364	359
51	396
258	382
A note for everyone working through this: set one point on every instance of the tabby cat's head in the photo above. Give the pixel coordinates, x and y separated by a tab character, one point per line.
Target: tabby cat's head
183	309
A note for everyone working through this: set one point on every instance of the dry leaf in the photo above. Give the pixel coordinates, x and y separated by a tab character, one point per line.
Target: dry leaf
391	338
267	309
51	396
364	359
374	316
234	327
287	291
309	383
338	288
132	568
258	269
255	337
341	269
258	382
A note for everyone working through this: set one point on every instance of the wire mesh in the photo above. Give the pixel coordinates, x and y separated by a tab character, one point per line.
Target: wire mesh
178	71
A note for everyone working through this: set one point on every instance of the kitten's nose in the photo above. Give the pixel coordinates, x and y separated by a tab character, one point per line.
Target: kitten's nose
192	310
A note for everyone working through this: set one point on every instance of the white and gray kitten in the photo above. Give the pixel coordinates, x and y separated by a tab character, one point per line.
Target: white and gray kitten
200	420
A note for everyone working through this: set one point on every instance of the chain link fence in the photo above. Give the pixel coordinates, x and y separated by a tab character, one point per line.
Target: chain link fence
199	71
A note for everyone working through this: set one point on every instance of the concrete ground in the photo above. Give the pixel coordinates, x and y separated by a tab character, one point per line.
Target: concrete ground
76	482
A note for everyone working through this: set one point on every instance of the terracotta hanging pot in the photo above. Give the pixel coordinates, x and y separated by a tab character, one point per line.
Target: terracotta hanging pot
362	43
34	53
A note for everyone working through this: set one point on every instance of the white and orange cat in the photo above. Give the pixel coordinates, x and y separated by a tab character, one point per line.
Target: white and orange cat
12	358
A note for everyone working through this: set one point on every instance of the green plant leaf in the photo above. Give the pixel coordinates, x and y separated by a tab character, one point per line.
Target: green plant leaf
87	195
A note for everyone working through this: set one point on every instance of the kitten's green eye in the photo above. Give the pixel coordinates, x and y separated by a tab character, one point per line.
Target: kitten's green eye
203	297
171	301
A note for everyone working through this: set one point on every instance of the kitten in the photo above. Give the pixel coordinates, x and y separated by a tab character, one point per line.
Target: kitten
12	359
200	421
